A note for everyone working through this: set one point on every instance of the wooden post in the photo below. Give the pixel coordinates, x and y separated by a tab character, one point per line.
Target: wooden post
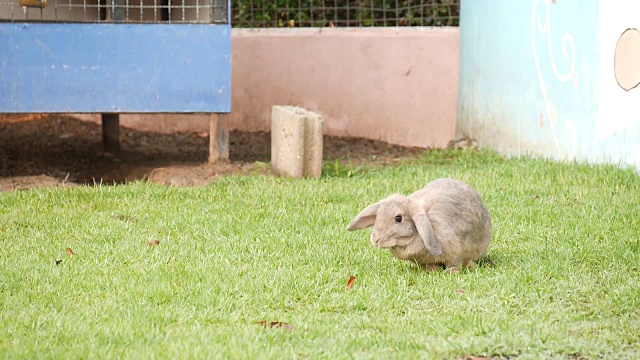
111	133
111	122
218	138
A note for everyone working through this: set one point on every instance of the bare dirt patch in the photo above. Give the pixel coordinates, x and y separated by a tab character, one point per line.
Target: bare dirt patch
38	150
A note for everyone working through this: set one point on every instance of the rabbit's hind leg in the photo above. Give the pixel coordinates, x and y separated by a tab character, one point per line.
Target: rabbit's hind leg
470	264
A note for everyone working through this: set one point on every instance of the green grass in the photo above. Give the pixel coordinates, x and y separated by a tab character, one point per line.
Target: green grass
561	280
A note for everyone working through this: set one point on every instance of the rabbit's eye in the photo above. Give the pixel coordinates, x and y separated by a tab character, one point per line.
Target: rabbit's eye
398	219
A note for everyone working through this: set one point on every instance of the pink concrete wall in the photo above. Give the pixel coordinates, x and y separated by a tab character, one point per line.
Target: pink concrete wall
399	85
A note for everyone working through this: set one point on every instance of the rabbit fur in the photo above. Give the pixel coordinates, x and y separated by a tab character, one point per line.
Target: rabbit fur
444	223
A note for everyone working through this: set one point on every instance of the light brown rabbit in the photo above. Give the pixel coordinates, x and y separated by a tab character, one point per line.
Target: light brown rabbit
444	223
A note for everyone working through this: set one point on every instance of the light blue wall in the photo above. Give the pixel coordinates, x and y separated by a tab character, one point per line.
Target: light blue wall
511	98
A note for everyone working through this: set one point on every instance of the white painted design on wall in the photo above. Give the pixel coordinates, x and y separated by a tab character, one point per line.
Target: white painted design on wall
569	54
618	110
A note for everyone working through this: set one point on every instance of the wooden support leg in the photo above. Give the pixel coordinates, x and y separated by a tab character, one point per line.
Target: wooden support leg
218	138
111	133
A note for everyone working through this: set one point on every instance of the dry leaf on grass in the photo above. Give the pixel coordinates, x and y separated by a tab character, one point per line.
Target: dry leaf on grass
352	279
70	252
460	291
275	324
153	242
124	217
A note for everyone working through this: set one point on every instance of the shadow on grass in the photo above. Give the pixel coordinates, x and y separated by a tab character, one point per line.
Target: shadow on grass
487	261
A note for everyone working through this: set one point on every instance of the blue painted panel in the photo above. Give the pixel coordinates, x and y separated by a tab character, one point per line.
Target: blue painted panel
99	68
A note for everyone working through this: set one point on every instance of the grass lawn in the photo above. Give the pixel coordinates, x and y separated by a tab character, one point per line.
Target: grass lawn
561	279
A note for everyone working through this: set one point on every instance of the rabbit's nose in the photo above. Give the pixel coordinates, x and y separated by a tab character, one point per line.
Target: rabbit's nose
375	239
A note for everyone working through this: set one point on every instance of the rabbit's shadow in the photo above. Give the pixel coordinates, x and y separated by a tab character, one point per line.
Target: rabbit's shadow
485	262
488	261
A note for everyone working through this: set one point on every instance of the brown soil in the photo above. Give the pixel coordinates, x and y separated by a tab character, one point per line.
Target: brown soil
38	150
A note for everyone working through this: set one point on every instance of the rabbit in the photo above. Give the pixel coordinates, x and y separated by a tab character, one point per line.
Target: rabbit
444	223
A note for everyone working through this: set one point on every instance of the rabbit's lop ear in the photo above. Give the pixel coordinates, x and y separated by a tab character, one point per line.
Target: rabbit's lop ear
423	225
366	218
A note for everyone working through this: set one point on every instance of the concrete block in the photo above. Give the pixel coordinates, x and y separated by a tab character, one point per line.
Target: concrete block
312	144
296	142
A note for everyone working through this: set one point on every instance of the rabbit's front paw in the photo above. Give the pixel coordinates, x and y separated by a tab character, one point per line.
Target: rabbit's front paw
432	268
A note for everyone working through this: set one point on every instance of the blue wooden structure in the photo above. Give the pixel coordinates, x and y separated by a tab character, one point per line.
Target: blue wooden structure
146	58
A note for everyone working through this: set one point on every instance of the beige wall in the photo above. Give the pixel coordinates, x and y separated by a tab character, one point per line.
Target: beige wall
398	85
